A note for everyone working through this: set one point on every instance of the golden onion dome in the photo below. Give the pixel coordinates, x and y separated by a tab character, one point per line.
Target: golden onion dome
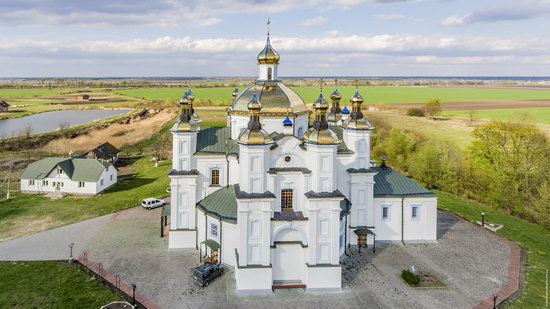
235	92
321	137
254	104
321	103
184	100
254	137
335	96
356	98
268	55
190	96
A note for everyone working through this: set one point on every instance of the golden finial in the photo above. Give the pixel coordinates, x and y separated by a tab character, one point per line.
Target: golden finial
356	84
321	84
335	82
268	22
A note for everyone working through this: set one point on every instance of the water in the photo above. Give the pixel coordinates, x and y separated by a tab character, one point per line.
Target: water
51	121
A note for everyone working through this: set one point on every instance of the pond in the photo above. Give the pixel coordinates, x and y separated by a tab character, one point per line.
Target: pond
51	121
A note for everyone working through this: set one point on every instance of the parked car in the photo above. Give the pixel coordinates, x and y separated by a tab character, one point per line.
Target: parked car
207	272
150	203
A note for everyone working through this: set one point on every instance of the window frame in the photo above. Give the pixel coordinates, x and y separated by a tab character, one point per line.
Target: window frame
215	177
387	216
415	215
287	195
214	227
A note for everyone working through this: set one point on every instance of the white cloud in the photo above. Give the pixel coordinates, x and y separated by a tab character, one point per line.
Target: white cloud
317	21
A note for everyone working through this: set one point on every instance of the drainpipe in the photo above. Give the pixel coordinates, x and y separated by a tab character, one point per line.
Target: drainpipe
346	237
227	170
221	243
403	219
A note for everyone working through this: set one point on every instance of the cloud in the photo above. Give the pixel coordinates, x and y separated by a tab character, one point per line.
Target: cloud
390	16
506	12
317	21
160	12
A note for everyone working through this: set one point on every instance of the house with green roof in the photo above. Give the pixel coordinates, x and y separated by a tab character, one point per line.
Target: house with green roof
68	175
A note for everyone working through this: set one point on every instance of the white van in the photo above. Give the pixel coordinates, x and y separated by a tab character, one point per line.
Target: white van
150	203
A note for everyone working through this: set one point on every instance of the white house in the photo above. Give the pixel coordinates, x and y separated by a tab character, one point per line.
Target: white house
68	175
280	201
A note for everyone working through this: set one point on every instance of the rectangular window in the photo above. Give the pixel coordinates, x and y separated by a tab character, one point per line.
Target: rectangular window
81	184
414	212
286	199
31	182
385	212
111	177
215	177
59	171
44	182
101	182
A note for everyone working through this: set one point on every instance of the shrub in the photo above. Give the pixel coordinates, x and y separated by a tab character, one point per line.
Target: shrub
415	112
433	108
409	277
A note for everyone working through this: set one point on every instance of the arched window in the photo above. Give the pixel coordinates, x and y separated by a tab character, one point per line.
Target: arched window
286	199
269	73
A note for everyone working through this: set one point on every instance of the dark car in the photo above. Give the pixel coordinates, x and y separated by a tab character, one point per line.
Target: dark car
207	272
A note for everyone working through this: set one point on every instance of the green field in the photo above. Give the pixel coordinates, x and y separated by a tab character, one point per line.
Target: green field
536	114
534	238
373	95
50	285
28	93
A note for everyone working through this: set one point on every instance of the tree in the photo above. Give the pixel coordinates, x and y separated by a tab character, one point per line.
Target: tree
472	117
433	108
513	160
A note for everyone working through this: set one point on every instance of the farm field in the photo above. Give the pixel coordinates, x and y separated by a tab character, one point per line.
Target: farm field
538	115
372	94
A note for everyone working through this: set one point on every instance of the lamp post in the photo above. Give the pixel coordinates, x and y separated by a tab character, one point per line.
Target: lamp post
482	219
71	245
495	302
133	294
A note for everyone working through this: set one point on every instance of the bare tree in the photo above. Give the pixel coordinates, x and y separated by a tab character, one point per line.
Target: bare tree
27	131
472	117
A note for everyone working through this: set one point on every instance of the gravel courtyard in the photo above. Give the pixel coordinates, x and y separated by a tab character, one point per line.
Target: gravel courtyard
471	263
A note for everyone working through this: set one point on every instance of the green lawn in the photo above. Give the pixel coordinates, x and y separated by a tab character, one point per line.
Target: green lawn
32	92
536	114
373	95
532	237
50	285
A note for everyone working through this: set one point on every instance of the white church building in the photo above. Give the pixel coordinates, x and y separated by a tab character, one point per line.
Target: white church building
280	200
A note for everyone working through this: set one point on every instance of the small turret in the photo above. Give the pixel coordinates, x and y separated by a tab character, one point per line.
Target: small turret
335	111
254	134
320	133
356	118
188	120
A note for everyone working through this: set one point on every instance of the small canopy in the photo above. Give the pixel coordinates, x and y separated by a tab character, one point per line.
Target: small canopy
212	244
363	231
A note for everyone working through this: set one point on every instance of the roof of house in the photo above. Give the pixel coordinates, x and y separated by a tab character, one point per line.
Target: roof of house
106	151
221	204
391	183
77	169
4	103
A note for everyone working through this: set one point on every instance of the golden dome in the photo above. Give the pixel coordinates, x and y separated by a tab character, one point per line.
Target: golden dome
335	96
268	55
276	98
356	98
254	134
357	121
320	133
188	120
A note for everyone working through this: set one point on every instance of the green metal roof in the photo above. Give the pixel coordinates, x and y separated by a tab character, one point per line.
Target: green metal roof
212	244
215	140
391	183
363	231
342	147
77	169
221	204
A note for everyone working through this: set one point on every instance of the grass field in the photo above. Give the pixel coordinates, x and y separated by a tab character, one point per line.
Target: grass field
538	115
50	285
34	92
373	95
532	237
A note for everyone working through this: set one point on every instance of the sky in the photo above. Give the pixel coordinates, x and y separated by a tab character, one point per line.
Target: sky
177	38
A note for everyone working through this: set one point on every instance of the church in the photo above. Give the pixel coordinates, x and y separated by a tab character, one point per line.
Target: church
279	200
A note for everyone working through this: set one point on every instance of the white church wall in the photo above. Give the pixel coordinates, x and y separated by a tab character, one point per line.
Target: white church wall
205	165
399	218
230	242
233	169
323	277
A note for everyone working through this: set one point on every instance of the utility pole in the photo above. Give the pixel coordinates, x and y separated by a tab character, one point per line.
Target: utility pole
547	288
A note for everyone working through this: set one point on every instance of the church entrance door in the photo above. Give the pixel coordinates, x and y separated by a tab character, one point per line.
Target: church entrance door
288	265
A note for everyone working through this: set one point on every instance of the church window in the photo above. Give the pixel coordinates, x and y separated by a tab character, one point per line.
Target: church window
288	159
81	184
215	177
385	212
286	199
269	73
414	212
59	171
31	182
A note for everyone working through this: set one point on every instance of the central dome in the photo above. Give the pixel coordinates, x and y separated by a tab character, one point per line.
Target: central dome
276	98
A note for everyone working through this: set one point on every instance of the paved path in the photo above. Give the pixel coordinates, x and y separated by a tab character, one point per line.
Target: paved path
53	244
